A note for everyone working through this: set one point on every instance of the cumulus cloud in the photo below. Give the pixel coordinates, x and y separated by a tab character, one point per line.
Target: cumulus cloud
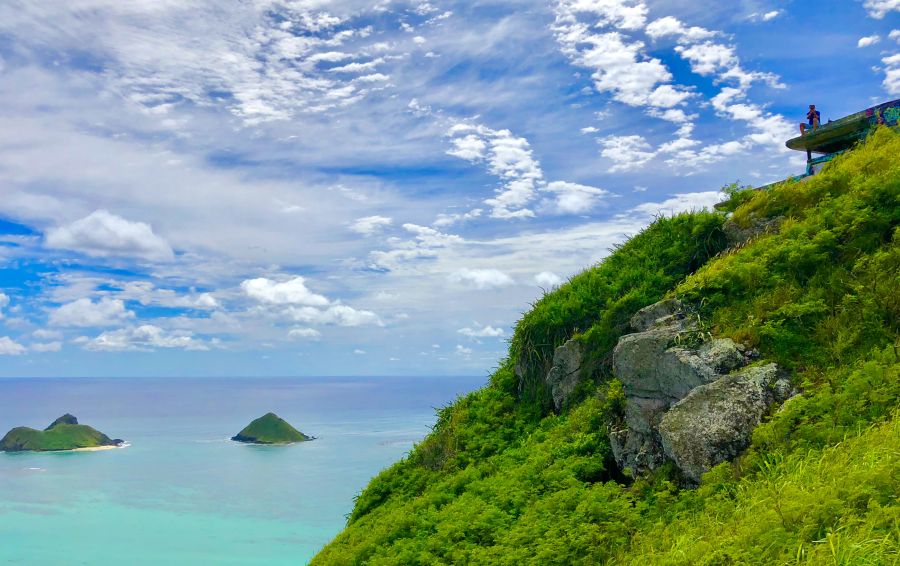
868	40
627	152
683	202
895	34
9	347
339	315
4	301
425	244
575	198
290	292
484	332
369	225
87	313
892	73
463	351
481	278
878	9
511	158
671	26
103	234
508	157
547	279
300	332
145	337
146	293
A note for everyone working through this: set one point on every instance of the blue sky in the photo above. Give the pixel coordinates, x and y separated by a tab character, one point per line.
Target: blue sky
335	188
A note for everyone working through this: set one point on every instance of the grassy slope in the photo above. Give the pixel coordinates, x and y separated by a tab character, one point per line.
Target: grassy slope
270	429
498	482
59	437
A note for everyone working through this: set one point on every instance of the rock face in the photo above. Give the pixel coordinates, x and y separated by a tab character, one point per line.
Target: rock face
565	373
667	369
713	423
270	429
63	434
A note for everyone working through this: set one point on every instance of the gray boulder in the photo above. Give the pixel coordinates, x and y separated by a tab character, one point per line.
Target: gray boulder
566	372
657	314
658	366
715	421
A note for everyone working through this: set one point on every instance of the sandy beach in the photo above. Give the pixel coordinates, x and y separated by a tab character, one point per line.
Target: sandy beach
94	448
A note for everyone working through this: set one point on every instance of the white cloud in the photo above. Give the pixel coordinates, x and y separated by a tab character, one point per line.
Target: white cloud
103	234
574	198
482	278
892	73
146	293
444	220
340	315
303	333
624	14
290	292
86	313
359	352
9	347
508	157
463	351
627	152
369	225
46	347
144	337
683	202
768	16
484	332
547	279
895	34
589	130
878	9
868	40
4	300
669	25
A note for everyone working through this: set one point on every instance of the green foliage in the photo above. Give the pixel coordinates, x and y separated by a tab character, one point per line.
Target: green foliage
61	435
599	301
270	429
497	482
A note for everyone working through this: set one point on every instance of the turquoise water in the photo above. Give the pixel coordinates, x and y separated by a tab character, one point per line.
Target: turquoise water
182	493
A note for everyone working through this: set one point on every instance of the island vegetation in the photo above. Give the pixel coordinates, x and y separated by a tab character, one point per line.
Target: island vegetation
270	429
63	434
805	275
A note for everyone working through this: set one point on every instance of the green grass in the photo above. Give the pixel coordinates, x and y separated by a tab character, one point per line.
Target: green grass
270	429
58	436
501	480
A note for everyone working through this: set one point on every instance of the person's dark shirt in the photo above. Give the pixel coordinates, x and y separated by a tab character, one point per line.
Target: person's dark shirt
813	116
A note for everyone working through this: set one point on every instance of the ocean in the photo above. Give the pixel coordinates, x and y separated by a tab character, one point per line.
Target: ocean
182	492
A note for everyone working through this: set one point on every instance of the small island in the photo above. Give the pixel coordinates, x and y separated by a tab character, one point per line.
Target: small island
63	434
270	429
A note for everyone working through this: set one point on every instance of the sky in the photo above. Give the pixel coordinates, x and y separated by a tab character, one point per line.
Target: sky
309	187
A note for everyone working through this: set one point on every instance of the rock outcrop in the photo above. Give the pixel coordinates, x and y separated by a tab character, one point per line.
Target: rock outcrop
679	394
713	423
565	374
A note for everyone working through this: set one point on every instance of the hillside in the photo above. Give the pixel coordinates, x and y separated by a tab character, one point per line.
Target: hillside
805	276
63	434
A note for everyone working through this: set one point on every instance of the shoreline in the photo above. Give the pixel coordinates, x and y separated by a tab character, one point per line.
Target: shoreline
94	448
